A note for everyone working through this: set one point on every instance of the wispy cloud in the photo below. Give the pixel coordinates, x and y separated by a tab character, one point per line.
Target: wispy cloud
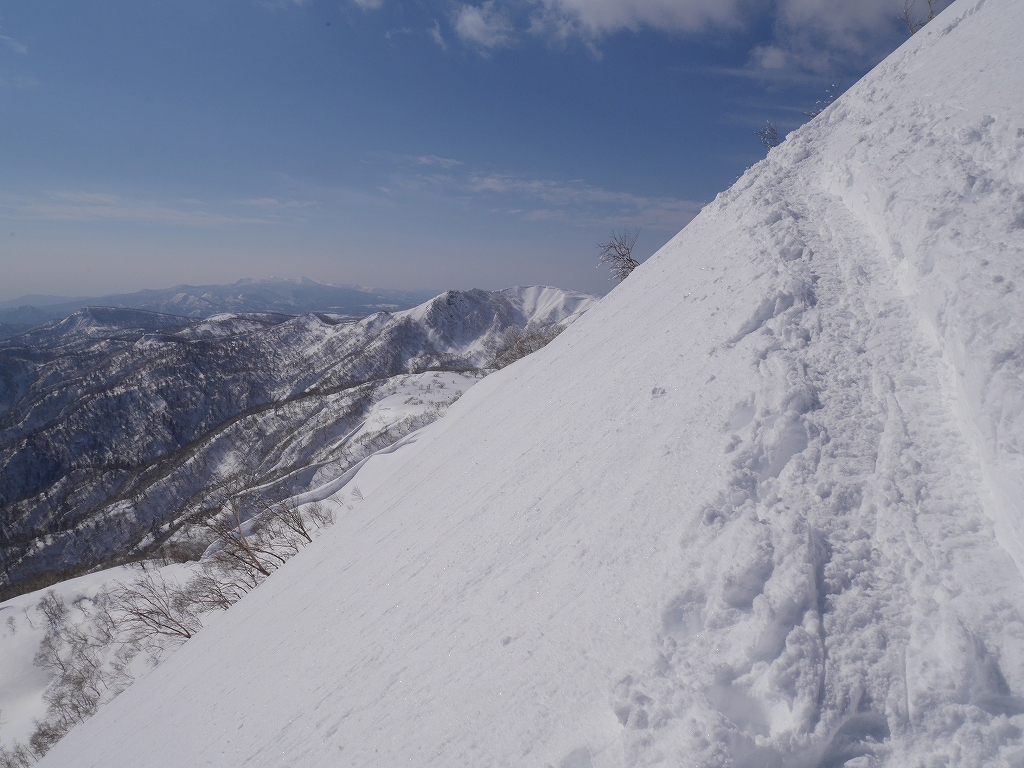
818	36
397	159
443	162
436	36
573	202
14	45
579	203
278	5
782	77
596	18
807	35
823	36
484	26
96	207
274	203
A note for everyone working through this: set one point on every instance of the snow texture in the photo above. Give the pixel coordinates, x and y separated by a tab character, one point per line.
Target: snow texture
761	506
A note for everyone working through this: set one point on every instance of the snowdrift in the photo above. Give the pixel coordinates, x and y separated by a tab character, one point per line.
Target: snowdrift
761	506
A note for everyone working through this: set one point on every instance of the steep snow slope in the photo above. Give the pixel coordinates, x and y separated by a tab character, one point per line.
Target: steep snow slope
759	507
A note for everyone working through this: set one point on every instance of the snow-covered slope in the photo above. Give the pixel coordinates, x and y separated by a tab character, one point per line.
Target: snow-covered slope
759	507
395	408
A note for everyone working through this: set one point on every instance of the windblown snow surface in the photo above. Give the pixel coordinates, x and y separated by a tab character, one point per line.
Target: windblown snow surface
762	506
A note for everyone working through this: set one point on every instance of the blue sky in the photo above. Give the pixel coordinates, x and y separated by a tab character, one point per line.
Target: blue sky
393	143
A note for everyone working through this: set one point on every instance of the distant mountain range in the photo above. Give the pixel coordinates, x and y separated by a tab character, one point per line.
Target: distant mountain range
292	297
115	423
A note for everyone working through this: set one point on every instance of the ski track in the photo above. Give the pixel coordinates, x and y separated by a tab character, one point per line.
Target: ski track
826	569
841	609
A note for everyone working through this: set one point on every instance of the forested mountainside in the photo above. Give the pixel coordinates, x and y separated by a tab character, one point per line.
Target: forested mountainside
115	424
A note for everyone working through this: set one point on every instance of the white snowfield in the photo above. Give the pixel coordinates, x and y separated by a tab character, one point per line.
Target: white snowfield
761	506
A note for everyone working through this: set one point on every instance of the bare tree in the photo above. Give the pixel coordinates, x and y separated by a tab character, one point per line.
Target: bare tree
18	756
914	22
239	553
291	522
210	590
769	135
617	253
150	608
320	515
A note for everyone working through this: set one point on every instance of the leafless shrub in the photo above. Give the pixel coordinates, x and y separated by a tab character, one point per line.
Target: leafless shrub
246	553
237	553
289	517
150	608
617	253
210	591
320	515
769	135
18	756
914	22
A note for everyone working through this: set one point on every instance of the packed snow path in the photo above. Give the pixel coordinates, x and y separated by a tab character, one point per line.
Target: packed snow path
761	506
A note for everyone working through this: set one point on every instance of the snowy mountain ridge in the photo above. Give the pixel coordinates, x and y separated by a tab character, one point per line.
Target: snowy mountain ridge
758	507
114	421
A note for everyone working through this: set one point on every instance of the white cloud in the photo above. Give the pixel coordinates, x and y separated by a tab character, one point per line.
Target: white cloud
485	26
823	35
276	5
573	202
811	35
595	18
369	5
